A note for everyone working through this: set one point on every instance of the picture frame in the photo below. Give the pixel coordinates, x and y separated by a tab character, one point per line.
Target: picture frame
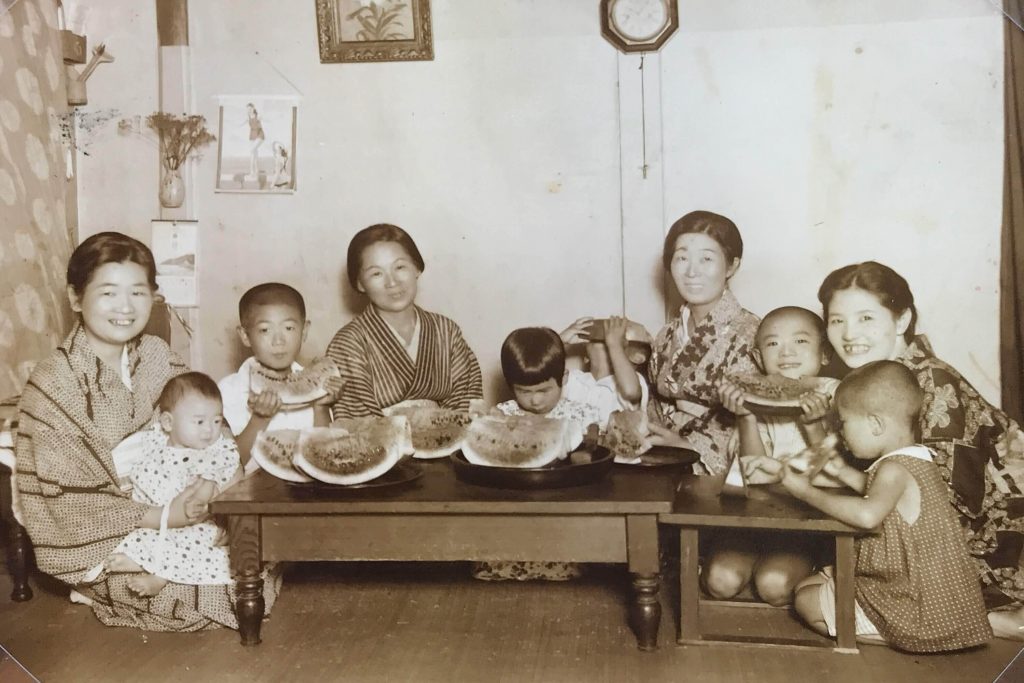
374	30
256	144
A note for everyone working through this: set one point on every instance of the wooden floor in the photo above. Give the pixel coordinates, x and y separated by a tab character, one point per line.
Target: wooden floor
403	622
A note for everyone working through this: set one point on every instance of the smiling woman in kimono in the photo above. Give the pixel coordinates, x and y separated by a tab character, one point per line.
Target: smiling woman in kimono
870	315
99	386
711	338
394	351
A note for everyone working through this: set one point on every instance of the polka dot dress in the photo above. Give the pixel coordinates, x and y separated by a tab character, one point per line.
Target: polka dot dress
915	582
192	554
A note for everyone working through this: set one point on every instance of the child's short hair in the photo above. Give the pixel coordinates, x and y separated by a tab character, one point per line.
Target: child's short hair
532	355
269	293
183	385
883	387
807	314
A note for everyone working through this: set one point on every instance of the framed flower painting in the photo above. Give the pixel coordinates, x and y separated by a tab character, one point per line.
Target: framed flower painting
374	30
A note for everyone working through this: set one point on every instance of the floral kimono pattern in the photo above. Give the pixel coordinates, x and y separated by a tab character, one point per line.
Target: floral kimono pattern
980	454
685	372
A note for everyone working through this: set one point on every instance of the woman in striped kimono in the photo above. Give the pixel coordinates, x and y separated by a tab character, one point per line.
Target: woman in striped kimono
99	386
394	351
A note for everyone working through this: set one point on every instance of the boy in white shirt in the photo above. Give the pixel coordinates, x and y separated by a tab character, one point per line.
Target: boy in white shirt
273	324
790	342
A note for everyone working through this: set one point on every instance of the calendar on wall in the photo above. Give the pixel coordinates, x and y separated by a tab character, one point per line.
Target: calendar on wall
175	246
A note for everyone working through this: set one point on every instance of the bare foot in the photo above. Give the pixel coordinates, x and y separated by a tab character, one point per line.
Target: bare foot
119	562
1007	624
146	585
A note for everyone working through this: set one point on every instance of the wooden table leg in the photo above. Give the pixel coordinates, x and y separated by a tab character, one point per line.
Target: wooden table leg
846	630
642	550
245	557
689	586
21	554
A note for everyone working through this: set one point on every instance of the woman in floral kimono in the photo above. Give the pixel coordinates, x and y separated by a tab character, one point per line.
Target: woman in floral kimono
711	339
870	315
394	351
99	386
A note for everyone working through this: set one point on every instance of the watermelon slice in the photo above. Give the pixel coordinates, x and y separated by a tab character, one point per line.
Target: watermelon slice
273	451
436	432
337	456
626	435
297	388
382	431
518	440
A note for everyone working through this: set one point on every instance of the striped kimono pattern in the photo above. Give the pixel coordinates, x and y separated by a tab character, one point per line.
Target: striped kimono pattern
378	372
73	411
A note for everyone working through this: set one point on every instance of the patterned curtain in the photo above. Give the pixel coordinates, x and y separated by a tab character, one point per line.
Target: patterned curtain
35	240
1011	276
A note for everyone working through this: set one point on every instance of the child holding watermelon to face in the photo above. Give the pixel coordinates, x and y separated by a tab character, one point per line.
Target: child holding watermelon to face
273	324
790	343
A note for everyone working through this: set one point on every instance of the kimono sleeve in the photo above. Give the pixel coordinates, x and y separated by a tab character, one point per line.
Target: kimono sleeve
978	448
67	499
357	397
466	380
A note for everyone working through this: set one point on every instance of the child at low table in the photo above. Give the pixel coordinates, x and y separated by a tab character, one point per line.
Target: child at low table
187	445
790	342
916	586
272	322
533	363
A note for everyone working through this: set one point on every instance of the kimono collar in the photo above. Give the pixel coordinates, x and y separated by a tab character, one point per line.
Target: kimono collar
919	347
724	310
91	372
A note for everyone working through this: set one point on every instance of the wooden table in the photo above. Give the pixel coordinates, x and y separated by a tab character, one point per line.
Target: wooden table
699	507
439	518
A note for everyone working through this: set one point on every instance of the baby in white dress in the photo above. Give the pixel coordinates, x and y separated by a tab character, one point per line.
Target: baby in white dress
188	444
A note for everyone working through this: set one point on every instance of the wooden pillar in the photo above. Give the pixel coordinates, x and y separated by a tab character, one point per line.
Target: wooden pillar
176	97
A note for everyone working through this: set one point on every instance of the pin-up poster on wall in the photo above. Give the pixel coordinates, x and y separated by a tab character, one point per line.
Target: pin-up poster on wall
256	144
176	250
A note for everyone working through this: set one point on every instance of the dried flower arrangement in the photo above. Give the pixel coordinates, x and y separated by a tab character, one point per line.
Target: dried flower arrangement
180	136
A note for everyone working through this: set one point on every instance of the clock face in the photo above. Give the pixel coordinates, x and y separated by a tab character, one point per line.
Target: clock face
639	20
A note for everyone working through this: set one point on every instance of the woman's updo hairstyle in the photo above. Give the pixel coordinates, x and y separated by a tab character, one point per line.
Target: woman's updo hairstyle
103	248
381	232
888	286
715	226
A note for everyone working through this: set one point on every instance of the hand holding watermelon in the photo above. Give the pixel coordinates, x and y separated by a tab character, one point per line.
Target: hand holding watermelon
733	398
333	386
265	404
578	331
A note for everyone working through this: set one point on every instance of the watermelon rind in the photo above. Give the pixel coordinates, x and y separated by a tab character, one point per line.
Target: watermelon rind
263	447
361	461
382	431
300	388
431	423
517	441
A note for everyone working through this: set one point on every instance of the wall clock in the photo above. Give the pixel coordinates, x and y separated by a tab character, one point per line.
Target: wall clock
638	25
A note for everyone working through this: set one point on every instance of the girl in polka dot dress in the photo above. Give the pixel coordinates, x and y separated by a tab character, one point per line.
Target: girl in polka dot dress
186	448
916	587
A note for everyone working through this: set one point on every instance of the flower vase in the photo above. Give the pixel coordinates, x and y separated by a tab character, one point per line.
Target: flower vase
172	189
